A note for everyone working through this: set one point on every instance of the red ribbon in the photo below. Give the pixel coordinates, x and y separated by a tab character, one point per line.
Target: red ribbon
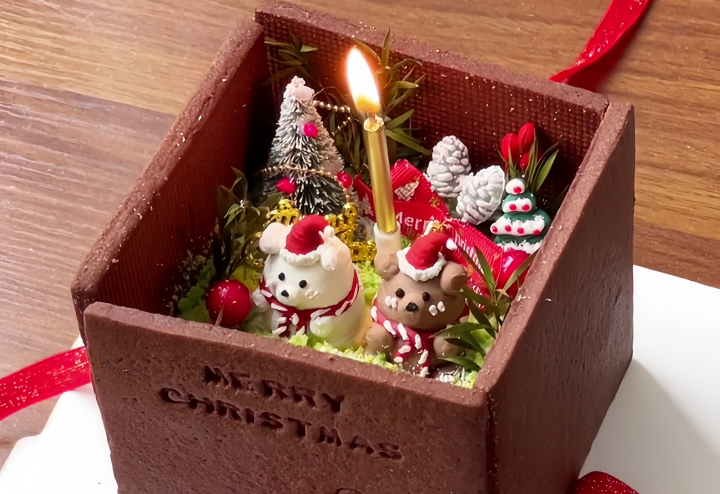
43	380
601	483
620	18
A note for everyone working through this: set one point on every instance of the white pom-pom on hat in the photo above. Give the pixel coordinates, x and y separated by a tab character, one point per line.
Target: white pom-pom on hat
515	187
425	258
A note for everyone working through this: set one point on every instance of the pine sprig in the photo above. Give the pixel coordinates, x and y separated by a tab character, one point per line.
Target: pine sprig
239	225
295	57
488	313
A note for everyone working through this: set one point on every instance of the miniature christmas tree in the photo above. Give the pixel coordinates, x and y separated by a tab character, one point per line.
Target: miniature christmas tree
522	226
304	153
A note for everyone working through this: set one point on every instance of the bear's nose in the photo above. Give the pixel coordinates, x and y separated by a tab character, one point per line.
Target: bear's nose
284	293
411	307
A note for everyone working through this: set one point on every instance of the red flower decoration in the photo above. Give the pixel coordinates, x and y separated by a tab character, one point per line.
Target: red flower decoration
510	147
524	161
286	186
344	179
601	483
232	298
510	261
526	137
310	130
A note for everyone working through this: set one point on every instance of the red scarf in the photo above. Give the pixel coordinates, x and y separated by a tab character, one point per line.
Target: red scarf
415	342
302	317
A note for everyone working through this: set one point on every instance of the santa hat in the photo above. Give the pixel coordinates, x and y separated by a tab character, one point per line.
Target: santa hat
307	240
425	258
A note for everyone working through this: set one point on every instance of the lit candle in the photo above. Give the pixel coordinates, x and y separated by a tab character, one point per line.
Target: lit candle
365	95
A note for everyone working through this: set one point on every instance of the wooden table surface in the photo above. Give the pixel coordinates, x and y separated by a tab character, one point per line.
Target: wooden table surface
88	88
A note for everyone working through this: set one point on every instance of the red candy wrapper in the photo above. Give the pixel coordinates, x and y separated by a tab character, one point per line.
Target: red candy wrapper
416	205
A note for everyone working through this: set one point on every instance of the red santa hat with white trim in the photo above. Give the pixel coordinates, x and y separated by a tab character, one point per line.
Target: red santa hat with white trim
306	241
425	258
303	244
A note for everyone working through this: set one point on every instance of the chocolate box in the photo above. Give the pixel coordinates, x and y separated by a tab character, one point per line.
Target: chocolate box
192	408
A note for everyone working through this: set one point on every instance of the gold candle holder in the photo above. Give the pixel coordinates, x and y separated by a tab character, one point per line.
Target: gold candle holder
367	101
379	164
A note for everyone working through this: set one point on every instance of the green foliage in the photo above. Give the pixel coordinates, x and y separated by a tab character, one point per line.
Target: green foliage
487	314
539	166
294	57
192	306
239	225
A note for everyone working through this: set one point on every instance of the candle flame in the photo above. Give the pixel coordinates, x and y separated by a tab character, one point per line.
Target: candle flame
362	83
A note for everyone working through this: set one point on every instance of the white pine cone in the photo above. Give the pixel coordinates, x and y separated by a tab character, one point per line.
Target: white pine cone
481	195
450	162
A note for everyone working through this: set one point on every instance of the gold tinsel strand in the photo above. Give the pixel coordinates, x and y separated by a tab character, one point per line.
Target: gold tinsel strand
274	170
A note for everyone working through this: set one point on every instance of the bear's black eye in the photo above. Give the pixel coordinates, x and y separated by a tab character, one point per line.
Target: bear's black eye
281	276
303	284
399	293
426	296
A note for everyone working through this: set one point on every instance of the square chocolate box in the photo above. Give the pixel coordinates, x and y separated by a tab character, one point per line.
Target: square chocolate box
192	408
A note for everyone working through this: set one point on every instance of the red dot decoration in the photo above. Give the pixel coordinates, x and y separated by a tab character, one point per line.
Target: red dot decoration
345	179
536	232
310	130
517	190
508	228
494	229
521	230
526	207
512	207
286	186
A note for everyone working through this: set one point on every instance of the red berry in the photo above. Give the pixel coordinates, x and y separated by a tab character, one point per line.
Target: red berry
526	137
510	148
508	228
526	207
536	232
511	260
521	230
286	186
512	207
310	130
517	190
233	298
601	483
345	179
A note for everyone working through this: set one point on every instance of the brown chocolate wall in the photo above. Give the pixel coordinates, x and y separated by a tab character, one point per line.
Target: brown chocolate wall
174	428
477	103
553	374
172	208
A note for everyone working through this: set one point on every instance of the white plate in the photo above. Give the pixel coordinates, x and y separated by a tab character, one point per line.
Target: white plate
661	434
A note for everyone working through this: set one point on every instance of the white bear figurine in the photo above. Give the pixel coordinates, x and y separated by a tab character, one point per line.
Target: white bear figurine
310	284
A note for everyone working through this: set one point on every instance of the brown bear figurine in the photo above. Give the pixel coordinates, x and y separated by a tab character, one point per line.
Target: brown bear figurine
420	295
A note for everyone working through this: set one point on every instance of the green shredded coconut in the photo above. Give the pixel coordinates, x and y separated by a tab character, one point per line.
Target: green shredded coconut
358	354
247	276
370	280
